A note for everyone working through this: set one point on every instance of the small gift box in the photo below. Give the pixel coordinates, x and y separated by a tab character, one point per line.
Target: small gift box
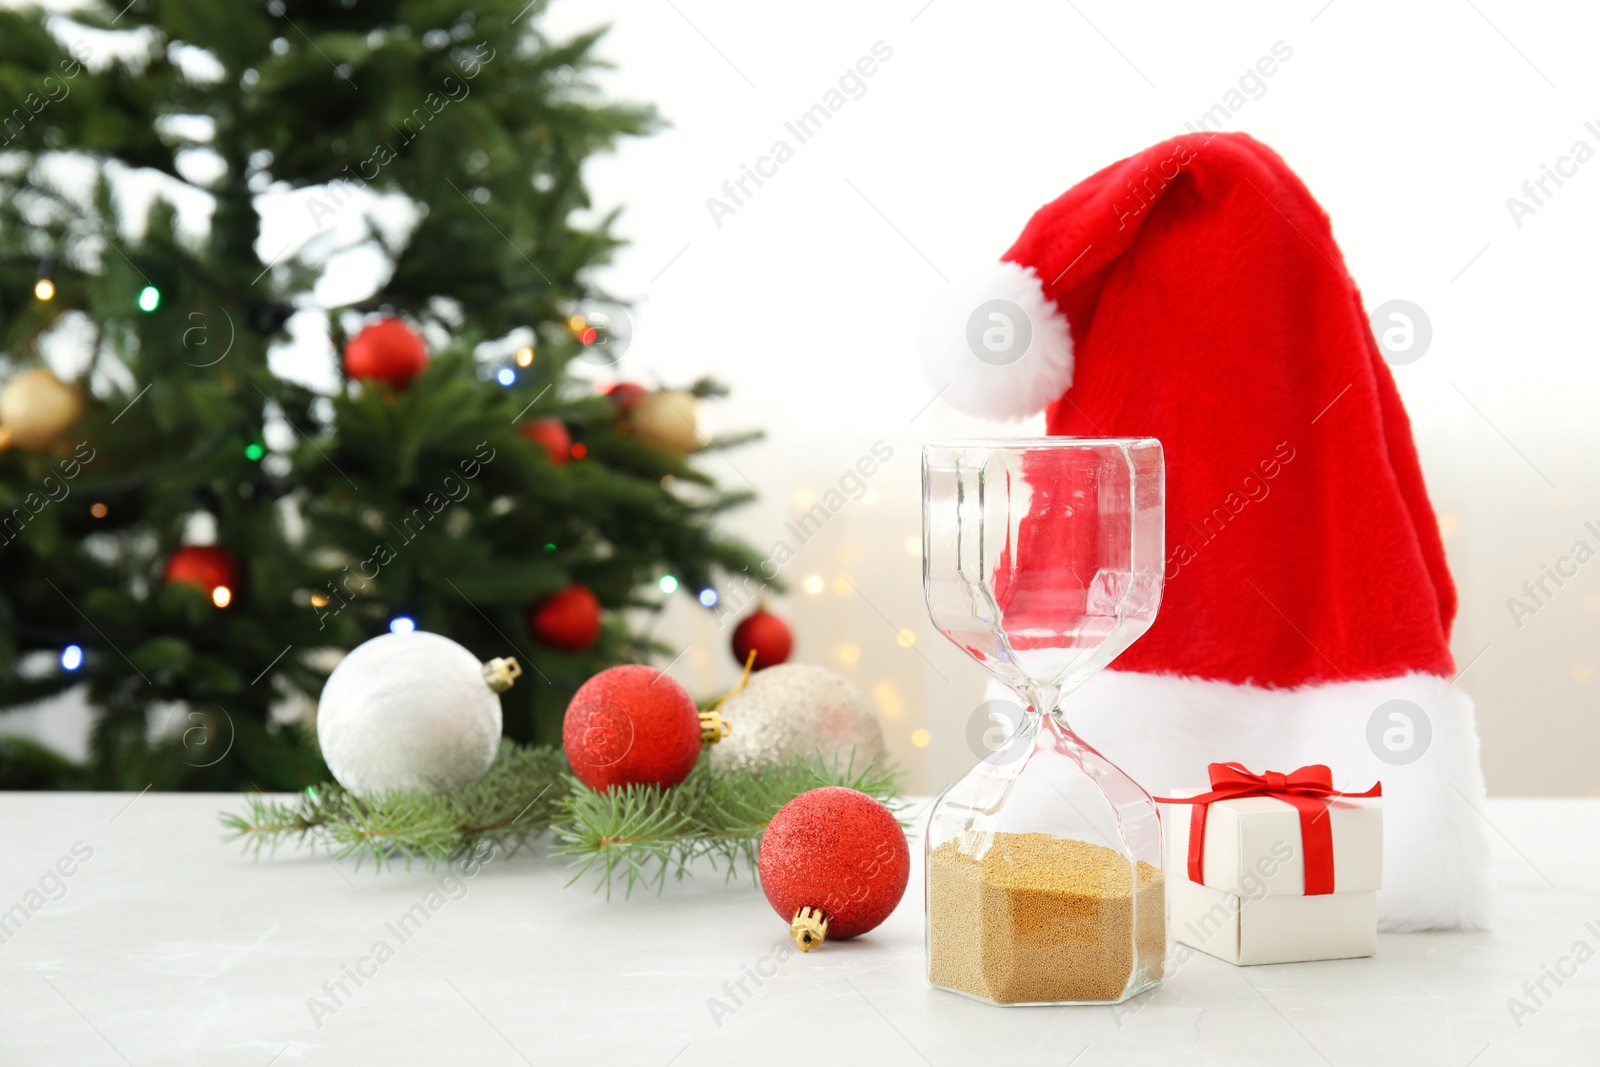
1275	868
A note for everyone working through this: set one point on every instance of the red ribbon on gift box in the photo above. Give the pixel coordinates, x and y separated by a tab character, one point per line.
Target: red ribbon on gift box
1308	789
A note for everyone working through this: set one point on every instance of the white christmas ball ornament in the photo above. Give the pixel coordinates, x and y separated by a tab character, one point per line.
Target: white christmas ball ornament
796	710
411	711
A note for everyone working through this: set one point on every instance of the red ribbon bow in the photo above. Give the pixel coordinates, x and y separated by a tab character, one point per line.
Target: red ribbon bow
1308	789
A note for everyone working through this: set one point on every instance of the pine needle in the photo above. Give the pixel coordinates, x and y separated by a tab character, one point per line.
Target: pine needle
632	836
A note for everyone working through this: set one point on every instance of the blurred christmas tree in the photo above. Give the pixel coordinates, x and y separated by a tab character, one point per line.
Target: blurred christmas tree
487	493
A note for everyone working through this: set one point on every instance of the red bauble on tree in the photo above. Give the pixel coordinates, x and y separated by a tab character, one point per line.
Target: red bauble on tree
387	351
834	864
208	567
631	725
625	395
568	620
763	633
553	435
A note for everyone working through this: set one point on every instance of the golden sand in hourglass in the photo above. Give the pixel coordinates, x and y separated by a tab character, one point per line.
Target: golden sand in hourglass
1041	918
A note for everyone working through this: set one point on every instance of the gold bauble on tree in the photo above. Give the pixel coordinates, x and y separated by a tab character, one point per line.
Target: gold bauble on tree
36	407
667	419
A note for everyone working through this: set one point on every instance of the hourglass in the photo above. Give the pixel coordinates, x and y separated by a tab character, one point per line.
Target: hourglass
1042	559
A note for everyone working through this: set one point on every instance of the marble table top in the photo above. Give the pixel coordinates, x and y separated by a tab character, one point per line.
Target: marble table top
144	939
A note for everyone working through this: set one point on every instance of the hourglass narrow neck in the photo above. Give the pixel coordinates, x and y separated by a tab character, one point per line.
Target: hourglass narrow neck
1044	698
1046	701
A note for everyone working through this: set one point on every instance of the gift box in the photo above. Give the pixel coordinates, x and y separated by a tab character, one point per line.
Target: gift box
1275	868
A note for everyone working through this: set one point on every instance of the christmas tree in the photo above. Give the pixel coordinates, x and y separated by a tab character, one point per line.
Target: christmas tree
190	536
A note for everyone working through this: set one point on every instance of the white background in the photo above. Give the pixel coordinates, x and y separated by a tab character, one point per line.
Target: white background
1412	125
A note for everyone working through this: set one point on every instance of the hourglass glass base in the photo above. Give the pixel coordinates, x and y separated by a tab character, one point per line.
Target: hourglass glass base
1044	877
1032	918
1049	979
1129	994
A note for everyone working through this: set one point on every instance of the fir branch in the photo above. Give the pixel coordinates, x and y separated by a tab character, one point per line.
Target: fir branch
510	805
637	835
733	439
641	834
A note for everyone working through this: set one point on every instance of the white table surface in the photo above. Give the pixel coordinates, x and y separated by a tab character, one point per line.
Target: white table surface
169	947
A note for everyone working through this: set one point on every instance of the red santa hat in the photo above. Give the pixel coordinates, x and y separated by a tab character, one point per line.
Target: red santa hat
1194	293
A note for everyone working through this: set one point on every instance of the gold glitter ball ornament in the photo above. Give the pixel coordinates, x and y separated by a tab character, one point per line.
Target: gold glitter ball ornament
797	710
36	407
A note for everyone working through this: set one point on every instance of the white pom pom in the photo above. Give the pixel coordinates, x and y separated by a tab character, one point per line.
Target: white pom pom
999	349
408	711
797	710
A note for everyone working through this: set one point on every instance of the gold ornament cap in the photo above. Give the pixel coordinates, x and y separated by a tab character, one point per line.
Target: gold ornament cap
501	673
809	928
713	727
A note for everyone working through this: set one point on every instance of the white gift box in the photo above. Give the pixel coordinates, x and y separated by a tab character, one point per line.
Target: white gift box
1252	907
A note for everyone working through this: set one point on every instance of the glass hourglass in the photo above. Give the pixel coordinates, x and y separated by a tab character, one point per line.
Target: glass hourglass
1042	559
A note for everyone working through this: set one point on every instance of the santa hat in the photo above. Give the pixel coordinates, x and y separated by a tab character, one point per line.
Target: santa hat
1193	293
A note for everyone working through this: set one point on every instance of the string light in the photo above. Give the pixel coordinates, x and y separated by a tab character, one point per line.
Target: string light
581	328
99	511
708	597
578	451
71	658
318	600
506	376
254	451
222	596
889	702
44	289
813	584
525	356
402	624
149	298
920	738
668	584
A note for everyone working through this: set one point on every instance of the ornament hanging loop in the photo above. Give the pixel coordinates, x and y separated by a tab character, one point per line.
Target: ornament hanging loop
713	727
501	673
809	928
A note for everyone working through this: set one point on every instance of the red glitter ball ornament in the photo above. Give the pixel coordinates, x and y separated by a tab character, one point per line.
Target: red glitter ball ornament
568	620
834	864
763	633
631	725
387	351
